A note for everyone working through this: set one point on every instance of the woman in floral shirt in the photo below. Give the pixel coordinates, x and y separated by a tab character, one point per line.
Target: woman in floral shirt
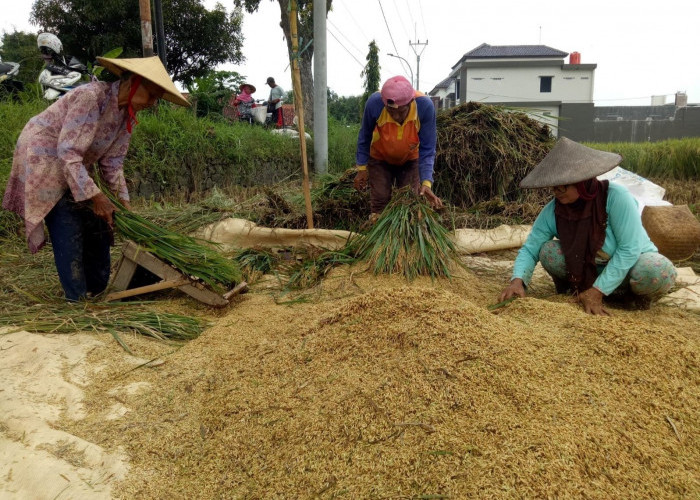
51	179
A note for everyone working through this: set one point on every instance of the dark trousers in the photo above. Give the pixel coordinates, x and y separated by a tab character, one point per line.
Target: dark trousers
384	176
80	242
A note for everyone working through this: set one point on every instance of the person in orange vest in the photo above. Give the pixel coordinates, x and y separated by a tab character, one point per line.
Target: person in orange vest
396	144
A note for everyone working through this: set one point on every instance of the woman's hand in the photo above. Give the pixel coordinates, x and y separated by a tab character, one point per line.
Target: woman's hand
103	208
516	288
592	302
434	201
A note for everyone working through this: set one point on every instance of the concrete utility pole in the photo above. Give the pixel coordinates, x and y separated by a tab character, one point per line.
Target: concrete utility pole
146	28
158	4
320	89
413	46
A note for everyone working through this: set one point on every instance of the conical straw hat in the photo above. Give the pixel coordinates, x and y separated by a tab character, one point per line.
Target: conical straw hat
151	69
568	163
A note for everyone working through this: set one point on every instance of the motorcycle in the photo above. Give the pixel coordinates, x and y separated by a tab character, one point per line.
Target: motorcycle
8	83
56	80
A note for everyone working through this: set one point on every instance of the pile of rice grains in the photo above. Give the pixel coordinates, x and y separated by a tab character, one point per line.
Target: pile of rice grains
413	391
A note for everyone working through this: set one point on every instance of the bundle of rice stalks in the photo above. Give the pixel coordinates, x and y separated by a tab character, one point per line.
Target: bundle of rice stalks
191	256
309	271
110	318
484	151
408	239
255	262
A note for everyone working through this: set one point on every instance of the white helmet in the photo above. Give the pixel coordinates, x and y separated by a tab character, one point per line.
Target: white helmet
50	41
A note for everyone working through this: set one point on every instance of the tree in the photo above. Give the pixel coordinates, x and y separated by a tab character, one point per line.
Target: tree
371	72
213	91
20	47
344	109
197	39
305	32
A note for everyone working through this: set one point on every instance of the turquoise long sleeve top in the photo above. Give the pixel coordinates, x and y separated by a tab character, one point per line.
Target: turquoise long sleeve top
625	240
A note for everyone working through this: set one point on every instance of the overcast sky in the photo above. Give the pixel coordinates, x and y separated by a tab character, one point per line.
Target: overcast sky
640	51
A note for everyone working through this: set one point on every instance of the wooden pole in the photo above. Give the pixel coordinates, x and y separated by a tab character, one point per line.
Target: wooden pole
146	28
299	109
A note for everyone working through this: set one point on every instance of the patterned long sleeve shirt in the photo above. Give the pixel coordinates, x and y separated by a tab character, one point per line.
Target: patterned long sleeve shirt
57	150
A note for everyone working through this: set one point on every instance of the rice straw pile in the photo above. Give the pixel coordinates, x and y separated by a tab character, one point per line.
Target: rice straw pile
416	392
484	151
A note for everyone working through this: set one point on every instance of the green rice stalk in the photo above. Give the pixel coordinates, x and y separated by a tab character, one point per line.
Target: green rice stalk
129	317
193	257
255	262
310	271
408	239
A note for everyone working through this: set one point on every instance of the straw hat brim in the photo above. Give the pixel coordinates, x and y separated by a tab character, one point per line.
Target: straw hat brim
568	163
151	69
250	86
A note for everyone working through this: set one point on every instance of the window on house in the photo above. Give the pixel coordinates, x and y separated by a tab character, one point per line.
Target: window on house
545	84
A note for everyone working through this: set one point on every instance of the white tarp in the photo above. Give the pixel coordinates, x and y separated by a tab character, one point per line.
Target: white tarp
242	233
644	191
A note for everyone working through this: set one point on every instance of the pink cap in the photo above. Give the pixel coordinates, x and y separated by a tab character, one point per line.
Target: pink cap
397	91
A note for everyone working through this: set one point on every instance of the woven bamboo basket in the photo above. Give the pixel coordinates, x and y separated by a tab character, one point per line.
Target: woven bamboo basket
674	230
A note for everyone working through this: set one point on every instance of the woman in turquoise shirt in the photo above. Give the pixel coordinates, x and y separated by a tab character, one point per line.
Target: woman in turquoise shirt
601	246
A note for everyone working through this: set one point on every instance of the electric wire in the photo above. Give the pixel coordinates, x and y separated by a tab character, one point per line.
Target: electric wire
345	48
389	30
347	39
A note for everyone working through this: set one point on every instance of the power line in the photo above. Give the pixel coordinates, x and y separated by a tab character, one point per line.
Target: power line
359	27
420	7
343	35
389	30
398	14
344	47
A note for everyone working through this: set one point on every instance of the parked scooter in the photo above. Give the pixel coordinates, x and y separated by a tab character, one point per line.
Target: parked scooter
61	73
8	82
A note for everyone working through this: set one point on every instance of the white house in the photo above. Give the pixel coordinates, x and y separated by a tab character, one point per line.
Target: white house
534	77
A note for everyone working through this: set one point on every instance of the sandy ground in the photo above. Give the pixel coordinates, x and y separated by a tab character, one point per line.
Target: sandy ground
43	379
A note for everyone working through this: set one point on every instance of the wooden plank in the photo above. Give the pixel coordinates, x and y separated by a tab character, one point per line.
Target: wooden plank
167	272
242	287
125	271
146	289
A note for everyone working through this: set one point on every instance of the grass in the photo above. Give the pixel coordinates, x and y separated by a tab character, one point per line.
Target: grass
676	159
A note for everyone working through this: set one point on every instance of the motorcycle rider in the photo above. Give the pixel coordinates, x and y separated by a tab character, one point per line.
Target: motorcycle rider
51	50
61	72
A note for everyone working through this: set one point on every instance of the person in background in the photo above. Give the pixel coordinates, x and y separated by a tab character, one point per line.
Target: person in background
274	103
396	144
601	246
51	180
244	102
51	50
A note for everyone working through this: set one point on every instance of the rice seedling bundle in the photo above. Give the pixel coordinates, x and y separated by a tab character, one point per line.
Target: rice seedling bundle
484	151
408	239
129	317
191	256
